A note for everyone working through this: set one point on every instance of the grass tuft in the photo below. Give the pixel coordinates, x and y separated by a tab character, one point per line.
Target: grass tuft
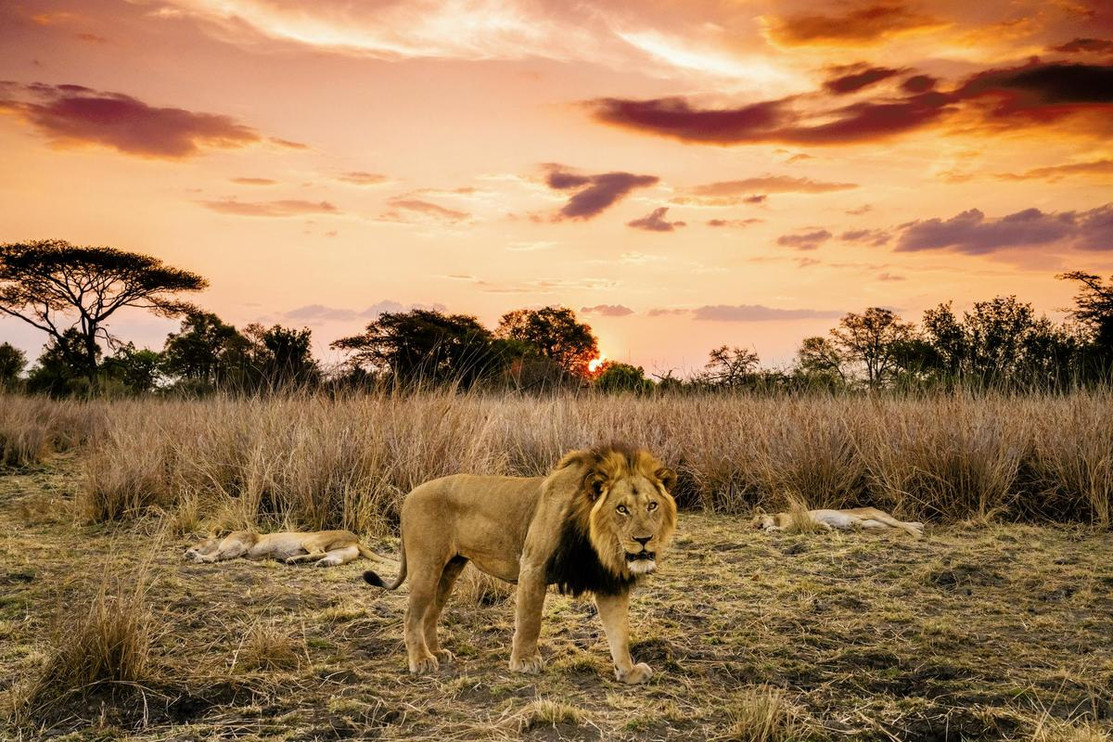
104	645
763	714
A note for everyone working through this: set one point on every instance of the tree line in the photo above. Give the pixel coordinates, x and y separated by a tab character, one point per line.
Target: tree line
70	292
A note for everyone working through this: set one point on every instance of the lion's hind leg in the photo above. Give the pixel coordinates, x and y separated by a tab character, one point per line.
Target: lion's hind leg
314	553
425	578
451	572
334	557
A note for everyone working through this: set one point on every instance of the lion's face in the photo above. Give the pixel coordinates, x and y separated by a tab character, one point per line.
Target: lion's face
640	516
761	522
202	548
633	516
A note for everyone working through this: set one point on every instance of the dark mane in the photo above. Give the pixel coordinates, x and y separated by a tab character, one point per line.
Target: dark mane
575	568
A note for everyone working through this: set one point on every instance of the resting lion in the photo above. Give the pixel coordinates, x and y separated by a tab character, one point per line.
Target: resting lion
329	548
870	518
597	523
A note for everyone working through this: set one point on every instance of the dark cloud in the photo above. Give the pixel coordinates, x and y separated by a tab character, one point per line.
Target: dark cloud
769	184
595	193
1085	45
757	313
806	241
1058	172
868	23
732	222
875	237
361	178
72	114
254	181
774	121
428	209
890	277
972	233
857	77
919	84
655	221
608	310
1033	94
1042	93
289	207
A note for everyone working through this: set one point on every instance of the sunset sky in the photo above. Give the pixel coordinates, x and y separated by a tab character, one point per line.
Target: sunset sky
683	174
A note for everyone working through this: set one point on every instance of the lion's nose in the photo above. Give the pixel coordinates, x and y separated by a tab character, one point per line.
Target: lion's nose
643	541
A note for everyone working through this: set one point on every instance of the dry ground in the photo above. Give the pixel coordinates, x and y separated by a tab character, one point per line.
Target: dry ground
973	633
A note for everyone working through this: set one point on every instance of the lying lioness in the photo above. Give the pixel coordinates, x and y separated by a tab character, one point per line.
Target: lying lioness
329	548
843	519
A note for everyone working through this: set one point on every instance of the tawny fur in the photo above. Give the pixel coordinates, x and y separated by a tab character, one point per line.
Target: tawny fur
323	548
868	518
608	508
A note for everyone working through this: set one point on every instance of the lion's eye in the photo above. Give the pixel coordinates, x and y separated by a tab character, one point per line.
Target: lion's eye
652	506
622	509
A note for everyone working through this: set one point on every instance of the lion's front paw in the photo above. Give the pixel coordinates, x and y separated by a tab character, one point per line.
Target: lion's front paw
531	665
424	666
445	657
327	562
639	673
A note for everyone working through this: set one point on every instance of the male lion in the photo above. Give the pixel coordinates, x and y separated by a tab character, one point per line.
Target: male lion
869	518
596	524
329	548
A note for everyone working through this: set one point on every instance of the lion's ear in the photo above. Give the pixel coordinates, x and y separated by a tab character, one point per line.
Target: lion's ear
576	458
759	510
667	477
595	484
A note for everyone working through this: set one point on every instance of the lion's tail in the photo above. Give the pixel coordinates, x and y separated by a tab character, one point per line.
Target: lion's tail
364	551
372	578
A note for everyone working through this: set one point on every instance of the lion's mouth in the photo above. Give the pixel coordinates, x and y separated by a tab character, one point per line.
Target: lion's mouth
641	556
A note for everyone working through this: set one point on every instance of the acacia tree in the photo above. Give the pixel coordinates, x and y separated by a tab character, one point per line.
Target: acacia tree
58	287
424	345
730	367
553	333
1094	310
874	338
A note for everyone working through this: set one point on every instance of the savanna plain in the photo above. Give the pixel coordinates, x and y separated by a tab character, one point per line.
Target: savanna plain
997	625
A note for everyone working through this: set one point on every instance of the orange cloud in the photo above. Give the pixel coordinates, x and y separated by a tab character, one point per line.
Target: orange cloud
428	209
866	24
1099	168
289	207
361	178
255	181
770	184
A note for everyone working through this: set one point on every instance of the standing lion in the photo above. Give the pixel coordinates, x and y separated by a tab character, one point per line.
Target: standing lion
596	524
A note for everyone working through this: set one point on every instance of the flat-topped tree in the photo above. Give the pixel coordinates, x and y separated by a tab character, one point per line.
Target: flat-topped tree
57	287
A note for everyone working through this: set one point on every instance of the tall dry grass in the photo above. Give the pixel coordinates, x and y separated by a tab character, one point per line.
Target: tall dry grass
317	462
34	428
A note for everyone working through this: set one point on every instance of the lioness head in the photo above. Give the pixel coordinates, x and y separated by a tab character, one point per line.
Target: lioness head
202	548
630	514
761	522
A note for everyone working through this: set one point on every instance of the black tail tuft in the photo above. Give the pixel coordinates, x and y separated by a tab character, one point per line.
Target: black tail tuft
373	579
